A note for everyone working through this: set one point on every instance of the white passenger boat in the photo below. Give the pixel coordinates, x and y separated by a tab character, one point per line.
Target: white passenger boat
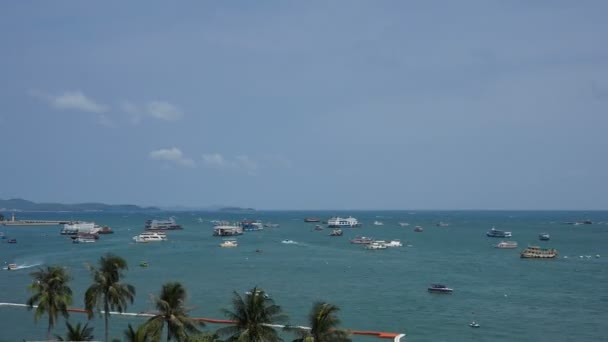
150	237
229	244
339	222
378	244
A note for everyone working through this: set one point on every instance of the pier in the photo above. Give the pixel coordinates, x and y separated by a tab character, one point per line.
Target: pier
15	222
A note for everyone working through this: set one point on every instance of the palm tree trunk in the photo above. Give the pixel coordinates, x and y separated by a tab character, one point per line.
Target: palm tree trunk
105	315
49	328
168	332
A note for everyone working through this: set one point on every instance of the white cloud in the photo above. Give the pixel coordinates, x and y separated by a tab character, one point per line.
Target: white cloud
72	100
155	109
215	160
173	155
241	162
163	111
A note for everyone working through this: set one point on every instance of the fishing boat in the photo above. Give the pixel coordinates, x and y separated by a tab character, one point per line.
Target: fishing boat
439	288
535	252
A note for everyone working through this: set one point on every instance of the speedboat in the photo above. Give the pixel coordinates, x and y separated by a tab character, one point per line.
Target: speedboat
439	288
143	264
336	232
418	229
288	242
11	267
544	237
379	244
404	224
378	223
229	244
474	325
394	243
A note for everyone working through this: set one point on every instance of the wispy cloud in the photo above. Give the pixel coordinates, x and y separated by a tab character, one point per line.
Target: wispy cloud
241	162
173	155
160	110
72	100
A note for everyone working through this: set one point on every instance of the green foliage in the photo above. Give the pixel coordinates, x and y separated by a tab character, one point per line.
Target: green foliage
51	294
1	217
323	321
107	292
77	333
172	312
251	315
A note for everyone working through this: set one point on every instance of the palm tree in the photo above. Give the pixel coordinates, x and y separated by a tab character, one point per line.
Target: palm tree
171	310
252	314
107	290
77	333
323	320
51	294
137	335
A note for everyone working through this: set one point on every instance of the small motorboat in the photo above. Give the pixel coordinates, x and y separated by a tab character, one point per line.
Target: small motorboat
544	237
11	267
439	288
229	244
143	264
319	227
12	241
289	242
336	232
474	325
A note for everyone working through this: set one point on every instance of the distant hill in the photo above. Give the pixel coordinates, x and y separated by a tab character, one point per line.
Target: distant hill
236	209
24	205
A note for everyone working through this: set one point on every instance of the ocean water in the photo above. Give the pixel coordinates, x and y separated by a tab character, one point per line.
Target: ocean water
386	290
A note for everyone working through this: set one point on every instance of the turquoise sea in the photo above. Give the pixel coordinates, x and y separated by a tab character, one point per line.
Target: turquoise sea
386	290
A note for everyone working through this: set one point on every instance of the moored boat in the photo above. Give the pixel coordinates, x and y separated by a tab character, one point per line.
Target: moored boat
168	224
535	252
439	288
498	233
506	244
227	230
84	239
312	219
319	227
418	229
105	230
338	222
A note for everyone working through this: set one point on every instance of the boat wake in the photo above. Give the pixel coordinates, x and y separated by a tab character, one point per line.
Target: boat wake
22	266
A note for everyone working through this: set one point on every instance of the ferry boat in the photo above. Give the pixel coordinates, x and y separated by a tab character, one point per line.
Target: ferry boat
506	244
418	229
378	223
498	233
535	252
312	219
84	239
168	224
229	244
338	222
544	237
150	237
252	226
439	288
336	232
379	244
361	240
227	230
74	228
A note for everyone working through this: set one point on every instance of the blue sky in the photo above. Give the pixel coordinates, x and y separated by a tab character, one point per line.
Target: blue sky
306	105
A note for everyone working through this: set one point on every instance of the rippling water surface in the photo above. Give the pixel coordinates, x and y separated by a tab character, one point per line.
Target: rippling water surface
385	290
